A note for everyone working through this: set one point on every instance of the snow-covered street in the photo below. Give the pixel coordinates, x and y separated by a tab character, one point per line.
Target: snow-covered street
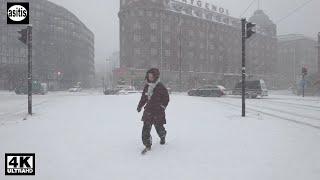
91	136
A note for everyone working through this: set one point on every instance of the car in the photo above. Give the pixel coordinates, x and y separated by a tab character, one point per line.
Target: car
207	91
110	91
75	89
44	88
254	88
124	90
37	88
222	88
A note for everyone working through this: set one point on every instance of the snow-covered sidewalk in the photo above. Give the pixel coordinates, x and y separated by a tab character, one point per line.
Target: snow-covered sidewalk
91	136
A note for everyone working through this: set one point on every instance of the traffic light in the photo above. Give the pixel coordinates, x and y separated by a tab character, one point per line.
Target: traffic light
24	35
304	71
250	29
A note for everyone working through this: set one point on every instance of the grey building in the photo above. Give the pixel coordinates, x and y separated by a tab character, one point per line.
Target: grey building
200	39
296	51
63	48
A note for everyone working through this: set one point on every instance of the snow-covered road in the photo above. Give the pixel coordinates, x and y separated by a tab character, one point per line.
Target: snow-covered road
90	136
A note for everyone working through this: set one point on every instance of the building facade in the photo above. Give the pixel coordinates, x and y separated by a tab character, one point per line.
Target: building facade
296	51
63	48
198	39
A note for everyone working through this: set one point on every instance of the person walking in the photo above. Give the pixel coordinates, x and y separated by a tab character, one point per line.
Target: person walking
154	99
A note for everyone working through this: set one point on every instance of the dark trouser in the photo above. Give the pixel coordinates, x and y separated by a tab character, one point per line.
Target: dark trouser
146	136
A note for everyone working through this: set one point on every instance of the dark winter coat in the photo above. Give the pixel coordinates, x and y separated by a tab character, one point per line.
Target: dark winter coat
154	110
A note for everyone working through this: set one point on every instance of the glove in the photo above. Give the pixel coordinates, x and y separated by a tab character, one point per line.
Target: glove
139	109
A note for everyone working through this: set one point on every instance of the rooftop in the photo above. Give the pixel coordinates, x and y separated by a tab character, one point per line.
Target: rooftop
293	37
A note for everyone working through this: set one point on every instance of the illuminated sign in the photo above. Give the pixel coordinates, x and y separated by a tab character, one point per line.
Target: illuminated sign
205	5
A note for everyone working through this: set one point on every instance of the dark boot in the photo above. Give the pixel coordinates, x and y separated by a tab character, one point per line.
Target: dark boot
163	140
145	150
161	133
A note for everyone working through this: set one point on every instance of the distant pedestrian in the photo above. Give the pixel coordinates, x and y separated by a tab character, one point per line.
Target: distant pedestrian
154	99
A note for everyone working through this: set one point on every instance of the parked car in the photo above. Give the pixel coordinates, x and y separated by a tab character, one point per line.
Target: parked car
253	89
44	88
223	89
208	91
75	89
37	88
110	91
124	90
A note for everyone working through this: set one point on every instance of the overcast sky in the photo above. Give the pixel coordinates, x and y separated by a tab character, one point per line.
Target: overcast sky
101	16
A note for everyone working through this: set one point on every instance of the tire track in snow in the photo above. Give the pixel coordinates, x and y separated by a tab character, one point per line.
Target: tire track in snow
303	106
274	115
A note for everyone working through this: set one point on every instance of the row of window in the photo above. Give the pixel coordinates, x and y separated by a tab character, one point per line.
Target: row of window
139	37
14	52
186	25
186	10
12	60
203	67
190	54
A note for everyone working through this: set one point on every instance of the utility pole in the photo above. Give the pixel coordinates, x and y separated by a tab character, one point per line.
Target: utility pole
247	31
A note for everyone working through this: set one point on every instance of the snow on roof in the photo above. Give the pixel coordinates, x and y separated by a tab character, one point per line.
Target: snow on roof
293	37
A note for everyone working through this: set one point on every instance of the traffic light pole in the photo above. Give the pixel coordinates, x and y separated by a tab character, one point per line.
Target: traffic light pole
243	27
29	42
